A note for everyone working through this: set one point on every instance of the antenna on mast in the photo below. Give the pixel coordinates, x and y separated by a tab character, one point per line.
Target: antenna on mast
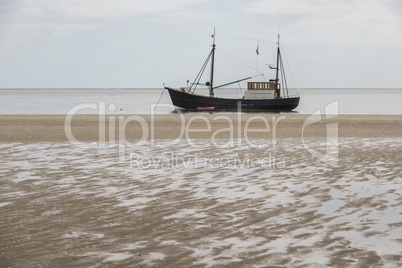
278	55
211	83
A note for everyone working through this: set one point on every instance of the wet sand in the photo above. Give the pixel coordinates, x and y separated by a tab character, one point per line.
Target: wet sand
42	128
200	205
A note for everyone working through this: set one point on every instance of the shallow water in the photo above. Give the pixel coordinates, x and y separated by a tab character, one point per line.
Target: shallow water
184	206
140	101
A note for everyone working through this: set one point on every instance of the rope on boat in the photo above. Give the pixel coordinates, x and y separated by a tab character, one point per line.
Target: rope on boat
242	37
287	63
241	90
160	97
239	61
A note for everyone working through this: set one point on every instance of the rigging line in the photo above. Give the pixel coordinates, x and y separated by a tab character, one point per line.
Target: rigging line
261	74
241	90
284	82
287	62
160	96
263	77
284	75
237	81
200	73
241	37
233	58
284	78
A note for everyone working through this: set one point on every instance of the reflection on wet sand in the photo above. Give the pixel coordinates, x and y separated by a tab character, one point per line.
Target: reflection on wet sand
64	205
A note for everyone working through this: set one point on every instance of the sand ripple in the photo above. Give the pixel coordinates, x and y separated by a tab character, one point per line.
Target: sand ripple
64	206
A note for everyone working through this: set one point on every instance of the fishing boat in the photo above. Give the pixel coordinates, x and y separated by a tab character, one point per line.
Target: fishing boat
259	96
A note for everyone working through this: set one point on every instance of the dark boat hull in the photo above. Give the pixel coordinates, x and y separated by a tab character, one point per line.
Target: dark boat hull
188	101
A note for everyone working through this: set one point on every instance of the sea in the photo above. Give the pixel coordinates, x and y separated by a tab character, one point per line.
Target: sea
147	101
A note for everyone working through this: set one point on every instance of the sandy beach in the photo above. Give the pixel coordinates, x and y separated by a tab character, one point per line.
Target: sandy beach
196	204
42	128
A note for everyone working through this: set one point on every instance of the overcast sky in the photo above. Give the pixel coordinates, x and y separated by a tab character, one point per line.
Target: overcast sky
145	43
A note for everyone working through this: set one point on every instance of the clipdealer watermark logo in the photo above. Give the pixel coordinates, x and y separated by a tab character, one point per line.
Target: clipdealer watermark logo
331	155
147	128
199	161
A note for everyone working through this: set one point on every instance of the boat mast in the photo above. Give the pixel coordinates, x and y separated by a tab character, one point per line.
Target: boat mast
211	86
277	93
